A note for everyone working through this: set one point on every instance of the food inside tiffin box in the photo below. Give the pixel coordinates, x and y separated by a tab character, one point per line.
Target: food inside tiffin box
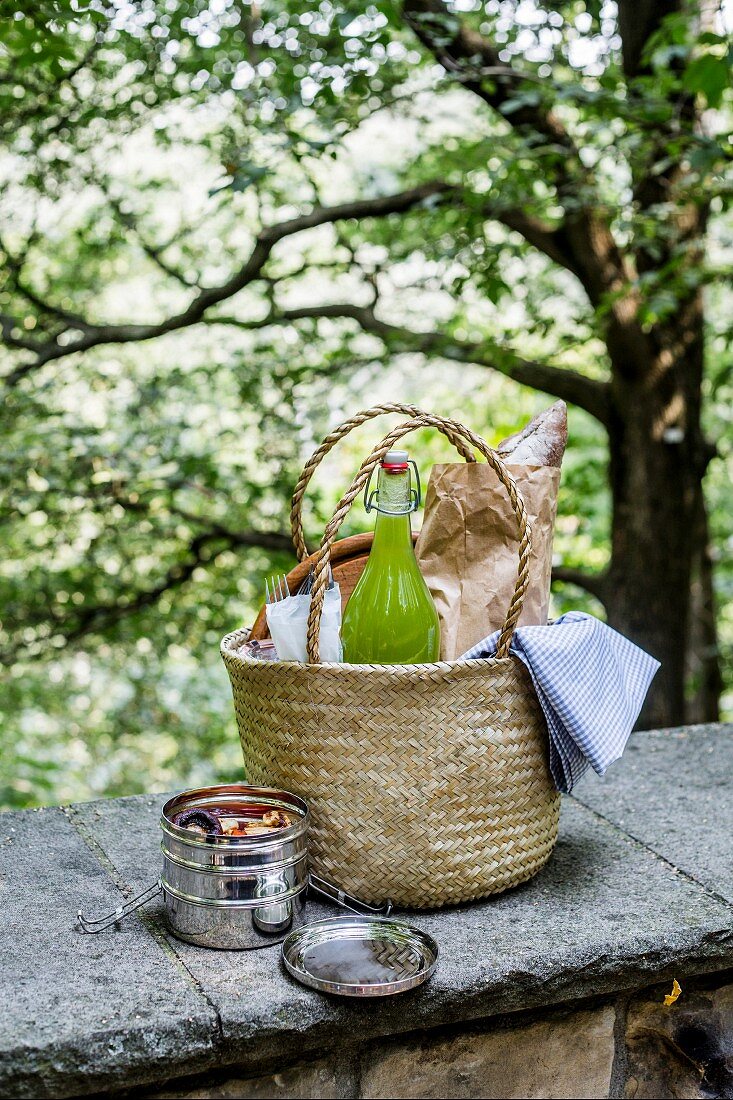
232	821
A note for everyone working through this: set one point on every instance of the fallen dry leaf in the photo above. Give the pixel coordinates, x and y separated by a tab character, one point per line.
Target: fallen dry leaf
670	998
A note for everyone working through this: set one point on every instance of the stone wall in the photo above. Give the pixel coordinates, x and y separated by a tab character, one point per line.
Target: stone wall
632	1046
682	1051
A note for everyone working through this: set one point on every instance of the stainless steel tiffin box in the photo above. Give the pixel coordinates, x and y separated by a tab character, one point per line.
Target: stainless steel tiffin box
228	892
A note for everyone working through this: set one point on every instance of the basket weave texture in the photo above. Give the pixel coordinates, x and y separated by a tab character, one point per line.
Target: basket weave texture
427	784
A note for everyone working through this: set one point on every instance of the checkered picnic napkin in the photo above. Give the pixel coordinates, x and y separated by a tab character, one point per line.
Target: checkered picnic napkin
591	683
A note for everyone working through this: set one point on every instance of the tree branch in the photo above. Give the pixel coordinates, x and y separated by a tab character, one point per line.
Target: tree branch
541	236
586	393
637	21
594	583
94	335
584	244
264	540
15	263
154	252
9	327
461	49
201	550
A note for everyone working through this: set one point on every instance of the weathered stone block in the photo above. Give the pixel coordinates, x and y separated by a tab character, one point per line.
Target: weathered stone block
563	1056
681	1051
672	792
80	1013
325	1078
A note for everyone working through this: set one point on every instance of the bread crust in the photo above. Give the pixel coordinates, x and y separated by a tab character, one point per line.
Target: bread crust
542	442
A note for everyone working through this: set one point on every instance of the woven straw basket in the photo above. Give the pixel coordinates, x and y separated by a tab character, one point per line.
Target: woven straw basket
427	784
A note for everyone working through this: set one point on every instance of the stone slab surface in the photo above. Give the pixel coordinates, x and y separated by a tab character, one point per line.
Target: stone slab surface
80	1012
603	914
137	1006
673	789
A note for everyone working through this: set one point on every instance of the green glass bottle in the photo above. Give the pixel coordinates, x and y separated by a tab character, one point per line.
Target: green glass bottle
390	617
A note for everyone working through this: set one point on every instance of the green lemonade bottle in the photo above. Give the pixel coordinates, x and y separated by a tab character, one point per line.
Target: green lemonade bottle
390	617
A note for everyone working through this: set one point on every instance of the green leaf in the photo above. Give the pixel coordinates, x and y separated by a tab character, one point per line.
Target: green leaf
710	76
531	98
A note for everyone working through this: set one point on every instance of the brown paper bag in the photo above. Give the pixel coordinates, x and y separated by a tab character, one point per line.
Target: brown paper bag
467	548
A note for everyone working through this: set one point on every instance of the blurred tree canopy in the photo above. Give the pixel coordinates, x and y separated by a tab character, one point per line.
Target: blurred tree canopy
225	225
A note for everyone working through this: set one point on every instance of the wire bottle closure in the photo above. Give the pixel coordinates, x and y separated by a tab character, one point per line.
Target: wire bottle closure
414	502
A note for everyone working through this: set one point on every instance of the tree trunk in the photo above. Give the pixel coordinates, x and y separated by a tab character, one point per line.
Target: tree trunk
658	460
704	676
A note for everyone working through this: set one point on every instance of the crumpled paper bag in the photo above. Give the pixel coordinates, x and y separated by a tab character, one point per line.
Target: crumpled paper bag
468	548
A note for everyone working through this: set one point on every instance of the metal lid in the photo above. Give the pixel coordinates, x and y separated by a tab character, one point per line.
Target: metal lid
360	956
396	459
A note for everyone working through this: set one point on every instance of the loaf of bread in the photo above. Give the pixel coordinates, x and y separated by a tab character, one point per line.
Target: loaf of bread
542	442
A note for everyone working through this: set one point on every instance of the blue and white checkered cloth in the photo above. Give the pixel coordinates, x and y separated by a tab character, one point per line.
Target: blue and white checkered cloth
591	683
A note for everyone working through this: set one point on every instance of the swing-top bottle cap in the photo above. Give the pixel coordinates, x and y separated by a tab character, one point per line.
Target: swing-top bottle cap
395	460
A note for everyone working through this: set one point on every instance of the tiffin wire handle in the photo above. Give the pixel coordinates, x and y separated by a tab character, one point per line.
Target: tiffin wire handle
347	901
92	925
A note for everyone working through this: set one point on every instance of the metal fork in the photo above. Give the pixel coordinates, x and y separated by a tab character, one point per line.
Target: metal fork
307	585
277	589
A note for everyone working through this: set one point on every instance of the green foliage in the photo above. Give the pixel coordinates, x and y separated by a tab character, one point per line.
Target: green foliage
144	146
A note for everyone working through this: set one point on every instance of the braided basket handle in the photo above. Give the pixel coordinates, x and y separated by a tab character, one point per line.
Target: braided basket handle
455	432
447	427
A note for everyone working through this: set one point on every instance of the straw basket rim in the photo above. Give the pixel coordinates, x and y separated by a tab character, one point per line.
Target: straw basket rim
232	650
